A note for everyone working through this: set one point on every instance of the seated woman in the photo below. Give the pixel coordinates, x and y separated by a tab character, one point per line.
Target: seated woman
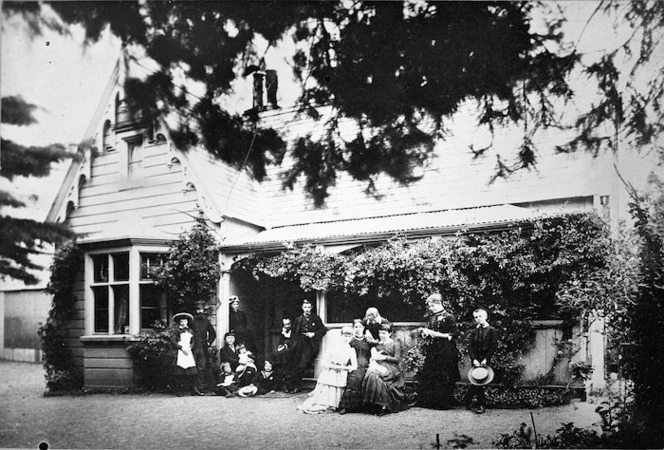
383	384
341	359
351	400
228	353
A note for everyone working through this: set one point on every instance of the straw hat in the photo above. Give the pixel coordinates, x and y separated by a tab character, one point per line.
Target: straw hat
480	376
183	315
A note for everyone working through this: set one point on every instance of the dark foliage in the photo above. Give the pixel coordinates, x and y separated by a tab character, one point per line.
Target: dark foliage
21	238
192	271
519	275
153	358
432	58
16	111
61	373
647	316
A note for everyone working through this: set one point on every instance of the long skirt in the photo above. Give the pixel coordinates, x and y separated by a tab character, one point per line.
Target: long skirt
436	382
325	398
384	391
352	400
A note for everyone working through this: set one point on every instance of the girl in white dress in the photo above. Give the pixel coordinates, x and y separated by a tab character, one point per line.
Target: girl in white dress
340	360
182	339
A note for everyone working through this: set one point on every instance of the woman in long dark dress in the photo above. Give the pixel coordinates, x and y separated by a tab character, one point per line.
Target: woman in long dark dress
351	400
438	377
383	384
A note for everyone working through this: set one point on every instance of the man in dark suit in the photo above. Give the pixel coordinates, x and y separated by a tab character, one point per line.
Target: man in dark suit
205	335
482	344
308	331
239	326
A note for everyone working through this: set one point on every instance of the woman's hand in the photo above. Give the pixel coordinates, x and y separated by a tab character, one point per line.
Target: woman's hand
186	353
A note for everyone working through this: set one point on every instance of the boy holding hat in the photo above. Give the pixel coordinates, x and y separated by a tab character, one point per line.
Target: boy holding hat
482	344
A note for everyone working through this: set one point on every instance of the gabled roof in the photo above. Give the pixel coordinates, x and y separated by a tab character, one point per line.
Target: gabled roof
380	228
223	191
453	193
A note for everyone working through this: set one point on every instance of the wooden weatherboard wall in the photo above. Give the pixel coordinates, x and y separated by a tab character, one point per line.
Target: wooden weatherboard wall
106	362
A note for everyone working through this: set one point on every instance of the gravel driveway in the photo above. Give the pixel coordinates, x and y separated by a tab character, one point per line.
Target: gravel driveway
146	421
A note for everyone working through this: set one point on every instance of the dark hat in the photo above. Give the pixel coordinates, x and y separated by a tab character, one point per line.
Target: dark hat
182	315
480	376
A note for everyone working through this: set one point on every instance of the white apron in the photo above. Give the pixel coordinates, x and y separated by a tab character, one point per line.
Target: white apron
186	361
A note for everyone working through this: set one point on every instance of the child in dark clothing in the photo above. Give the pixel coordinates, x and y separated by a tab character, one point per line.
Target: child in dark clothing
266	380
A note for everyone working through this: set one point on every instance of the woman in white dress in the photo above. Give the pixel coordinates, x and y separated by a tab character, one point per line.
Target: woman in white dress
185	371
340	360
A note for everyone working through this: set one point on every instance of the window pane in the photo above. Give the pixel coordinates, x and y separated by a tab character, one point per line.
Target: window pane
150	262
135	149
153	306
100	263
101	308
121	304
121	266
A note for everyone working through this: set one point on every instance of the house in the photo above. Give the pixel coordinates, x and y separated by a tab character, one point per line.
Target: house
133	196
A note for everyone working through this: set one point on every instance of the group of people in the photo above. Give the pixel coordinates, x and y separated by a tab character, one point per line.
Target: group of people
362	371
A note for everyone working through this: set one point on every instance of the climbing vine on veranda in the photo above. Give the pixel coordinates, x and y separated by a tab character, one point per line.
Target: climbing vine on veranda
531	270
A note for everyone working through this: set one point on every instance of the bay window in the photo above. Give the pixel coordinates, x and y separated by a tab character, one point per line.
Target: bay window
122	297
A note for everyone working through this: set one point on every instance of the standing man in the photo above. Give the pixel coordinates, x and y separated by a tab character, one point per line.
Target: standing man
238	324
482	344
308	330
204	335
440	372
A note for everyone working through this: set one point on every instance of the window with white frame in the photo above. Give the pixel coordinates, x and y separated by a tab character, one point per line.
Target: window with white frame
135	157
124	299
153	305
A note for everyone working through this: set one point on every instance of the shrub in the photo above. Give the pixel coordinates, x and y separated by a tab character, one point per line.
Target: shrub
519	397
191	272
567	436
153	358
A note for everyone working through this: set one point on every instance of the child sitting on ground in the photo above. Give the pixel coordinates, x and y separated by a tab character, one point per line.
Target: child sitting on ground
226	378
264	382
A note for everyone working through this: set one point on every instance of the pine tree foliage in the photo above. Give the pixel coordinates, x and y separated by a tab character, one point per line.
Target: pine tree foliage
22	238
397	70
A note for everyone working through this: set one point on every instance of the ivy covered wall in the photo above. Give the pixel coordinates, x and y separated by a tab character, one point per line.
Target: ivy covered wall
541	269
